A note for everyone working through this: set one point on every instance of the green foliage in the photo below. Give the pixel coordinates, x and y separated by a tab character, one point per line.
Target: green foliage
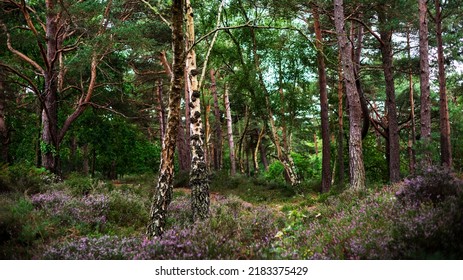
79	185
24	178
275	171
127	209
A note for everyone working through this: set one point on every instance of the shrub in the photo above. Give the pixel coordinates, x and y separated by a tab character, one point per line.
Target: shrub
127	209
21	178
434	185
429	216
89	211
236	230
79	185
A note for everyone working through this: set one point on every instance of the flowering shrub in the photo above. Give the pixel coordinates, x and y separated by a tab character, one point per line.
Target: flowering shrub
344	228
429	216
90	209
236	230
434	185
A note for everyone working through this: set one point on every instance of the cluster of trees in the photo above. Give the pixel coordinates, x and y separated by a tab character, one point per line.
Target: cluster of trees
123	86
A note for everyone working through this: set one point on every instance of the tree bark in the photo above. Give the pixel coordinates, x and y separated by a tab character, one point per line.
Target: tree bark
218	124
161	110
357	170
340	140
412	137
163	193
231	143
425	114
4	134
445	146
324	114
199	181
392	122
50	145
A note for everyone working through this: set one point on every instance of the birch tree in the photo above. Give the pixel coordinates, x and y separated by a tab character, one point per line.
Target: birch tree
164	188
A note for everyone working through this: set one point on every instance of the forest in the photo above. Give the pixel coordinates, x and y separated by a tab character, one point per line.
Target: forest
231	129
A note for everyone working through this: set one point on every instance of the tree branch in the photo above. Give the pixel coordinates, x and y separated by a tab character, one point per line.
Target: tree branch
20	54
155	10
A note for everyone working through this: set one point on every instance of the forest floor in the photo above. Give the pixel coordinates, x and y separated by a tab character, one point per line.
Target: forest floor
250	218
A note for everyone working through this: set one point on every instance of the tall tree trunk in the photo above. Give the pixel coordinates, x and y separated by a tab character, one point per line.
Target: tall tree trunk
163	193
231	143
326	150
4	134
357	170
340	138
161	110
218	124
257	148
445	146
392	122
425	113
199	181
85	164
49	145
263	155
412	137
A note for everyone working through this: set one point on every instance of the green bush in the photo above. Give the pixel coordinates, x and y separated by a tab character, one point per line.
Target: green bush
127	209
24	178
79	185
275	171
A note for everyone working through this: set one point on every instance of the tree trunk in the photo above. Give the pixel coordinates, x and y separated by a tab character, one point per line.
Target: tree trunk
324	114
161	110
412	137
257	148
231	143
425	114
85	164
218	125
199	180
393	125
49	145
357	170
4	134
340	126
445	146
163	193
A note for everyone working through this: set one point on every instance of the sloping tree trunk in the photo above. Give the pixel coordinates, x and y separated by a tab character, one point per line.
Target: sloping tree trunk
326	151
163	193
199	181
425	113
231	143
445	146
357	170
